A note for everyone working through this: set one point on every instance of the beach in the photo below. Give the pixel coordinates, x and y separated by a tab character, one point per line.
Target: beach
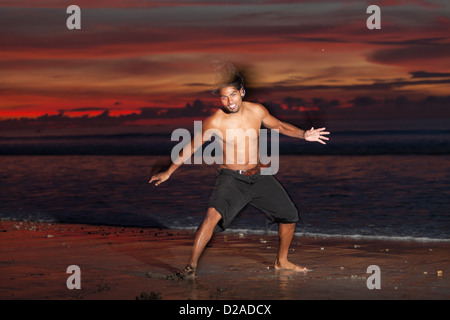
114	262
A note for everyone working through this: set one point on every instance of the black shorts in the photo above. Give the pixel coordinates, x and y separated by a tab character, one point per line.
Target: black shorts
234	191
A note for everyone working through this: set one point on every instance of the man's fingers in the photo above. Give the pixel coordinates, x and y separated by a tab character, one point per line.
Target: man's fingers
157	183
154	178
317	135
321	129
158	180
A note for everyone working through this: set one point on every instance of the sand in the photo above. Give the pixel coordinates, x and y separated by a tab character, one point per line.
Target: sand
114	260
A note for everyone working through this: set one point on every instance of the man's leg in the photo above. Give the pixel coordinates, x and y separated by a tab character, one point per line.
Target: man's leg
286	234
204	234
202	237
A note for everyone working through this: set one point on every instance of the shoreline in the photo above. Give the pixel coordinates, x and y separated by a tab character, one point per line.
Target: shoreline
254	232
114	260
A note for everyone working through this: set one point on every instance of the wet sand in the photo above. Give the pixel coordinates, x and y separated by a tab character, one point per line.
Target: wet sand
114	261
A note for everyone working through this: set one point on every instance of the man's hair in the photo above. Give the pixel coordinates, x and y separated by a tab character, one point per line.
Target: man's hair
228	76
237	82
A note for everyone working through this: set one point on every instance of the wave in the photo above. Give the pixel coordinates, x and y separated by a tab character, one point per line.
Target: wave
361	237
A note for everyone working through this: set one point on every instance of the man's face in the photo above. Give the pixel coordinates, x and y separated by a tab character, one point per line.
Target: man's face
231	98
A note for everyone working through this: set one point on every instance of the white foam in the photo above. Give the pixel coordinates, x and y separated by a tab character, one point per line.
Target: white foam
336	236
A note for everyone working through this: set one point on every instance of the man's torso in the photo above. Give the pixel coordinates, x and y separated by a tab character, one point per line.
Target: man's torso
240	136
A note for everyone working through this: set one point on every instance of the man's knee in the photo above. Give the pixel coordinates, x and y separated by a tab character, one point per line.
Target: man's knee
213	216
288	225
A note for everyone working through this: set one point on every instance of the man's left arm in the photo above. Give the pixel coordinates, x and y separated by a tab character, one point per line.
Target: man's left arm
287	129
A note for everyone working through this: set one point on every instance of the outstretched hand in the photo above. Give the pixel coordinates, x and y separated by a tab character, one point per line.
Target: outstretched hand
160	178
316	135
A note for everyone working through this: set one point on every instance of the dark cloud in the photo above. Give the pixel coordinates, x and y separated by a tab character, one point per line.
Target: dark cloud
313	112
376	85
197	108
406	54
85	109
424	74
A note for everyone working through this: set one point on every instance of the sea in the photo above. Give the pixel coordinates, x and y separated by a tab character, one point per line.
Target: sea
373	180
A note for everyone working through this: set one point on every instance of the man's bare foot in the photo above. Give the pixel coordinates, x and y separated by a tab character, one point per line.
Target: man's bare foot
289	266
188	273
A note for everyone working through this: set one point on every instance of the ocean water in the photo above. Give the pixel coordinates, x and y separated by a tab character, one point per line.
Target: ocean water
367	183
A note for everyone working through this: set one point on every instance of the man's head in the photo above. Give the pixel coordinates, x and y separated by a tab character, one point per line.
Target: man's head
231	98
231	93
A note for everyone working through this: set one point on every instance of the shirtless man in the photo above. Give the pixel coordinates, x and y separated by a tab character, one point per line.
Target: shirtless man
240	182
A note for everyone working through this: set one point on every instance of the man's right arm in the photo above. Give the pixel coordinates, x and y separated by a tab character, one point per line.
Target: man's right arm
184	154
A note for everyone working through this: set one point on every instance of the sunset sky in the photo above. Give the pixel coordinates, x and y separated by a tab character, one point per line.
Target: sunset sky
138	54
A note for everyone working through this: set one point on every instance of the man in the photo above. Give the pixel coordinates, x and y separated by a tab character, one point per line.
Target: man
240	182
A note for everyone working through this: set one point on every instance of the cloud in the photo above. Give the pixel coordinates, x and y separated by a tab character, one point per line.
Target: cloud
85	109
424	74
155	53
385	85
300	111
413	54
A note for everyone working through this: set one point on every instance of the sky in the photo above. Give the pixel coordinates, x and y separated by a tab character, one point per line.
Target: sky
301	56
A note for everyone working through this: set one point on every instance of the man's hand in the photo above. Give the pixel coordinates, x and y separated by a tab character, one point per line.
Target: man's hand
160	178
316	135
